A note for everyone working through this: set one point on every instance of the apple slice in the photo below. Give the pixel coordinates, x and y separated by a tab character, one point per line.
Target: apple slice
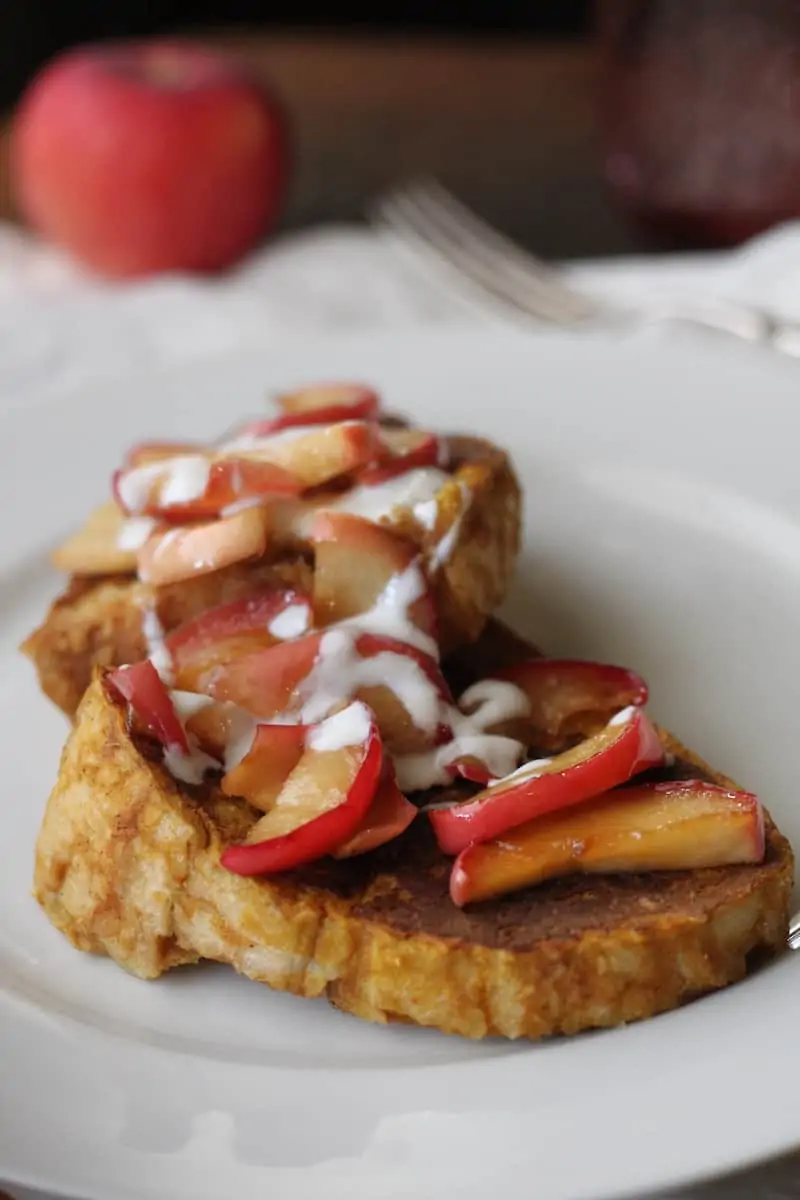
568	697
192	487
358	564
312	456
650	827
267	681
322	802
275	752
389	815
313	675
149	704
232	630
222	730
628	744
149	452
193	550
100	548
331	402
401	450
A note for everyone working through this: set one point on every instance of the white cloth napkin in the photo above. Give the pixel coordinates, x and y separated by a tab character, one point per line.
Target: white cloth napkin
61	329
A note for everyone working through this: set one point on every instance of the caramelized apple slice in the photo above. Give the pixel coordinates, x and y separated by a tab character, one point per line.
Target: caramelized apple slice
232	630
222	730
312	456
193	550
358	565
568	697
401	450
313	675
150	707
627	745
275	752
331	402
266	682
323	800
195	486
652	827
106	545
150	452
323	404
389	815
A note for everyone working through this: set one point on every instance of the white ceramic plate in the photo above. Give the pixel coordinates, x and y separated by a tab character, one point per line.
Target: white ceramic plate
663	493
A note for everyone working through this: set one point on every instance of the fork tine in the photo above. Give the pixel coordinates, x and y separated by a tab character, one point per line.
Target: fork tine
383	215
793	938
415	232
426	215
451	213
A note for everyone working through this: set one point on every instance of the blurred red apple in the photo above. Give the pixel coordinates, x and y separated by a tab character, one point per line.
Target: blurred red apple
149	156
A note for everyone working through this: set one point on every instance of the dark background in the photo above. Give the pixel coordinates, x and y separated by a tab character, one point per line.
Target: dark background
33	30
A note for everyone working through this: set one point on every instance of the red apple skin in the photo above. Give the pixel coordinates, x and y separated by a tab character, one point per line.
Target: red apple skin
596	765
650	827
154	156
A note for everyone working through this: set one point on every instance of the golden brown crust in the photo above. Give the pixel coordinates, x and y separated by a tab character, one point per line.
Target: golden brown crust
97	622
127	865
482	503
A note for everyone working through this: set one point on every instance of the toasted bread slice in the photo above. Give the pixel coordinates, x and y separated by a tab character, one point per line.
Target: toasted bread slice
128	865
99	621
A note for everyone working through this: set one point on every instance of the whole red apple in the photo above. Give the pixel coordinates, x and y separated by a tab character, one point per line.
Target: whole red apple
149	156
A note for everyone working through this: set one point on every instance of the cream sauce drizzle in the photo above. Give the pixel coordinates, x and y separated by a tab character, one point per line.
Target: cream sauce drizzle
389	616
348	727
157	652
378	500
134	532
176	480
491	702
291	622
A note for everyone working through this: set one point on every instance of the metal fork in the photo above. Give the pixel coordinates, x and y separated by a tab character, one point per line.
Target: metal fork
793	938
435	227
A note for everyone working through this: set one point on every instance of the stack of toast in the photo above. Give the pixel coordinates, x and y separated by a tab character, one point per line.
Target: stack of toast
130	860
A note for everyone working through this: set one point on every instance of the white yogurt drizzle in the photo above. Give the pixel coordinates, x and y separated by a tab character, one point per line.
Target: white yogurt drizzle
389	616
378	500
192	767
134	532
340	672
426	512
444	548
488	703
177	480
157	652
348	727
291	622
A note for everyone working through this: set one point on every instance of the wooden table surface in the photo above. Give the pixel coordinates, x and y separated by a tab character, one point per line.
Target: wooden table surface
510	126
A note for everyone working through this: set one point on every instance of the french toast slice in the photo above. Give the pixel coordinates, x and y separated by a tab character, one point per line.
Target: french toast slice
100	621
127	865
